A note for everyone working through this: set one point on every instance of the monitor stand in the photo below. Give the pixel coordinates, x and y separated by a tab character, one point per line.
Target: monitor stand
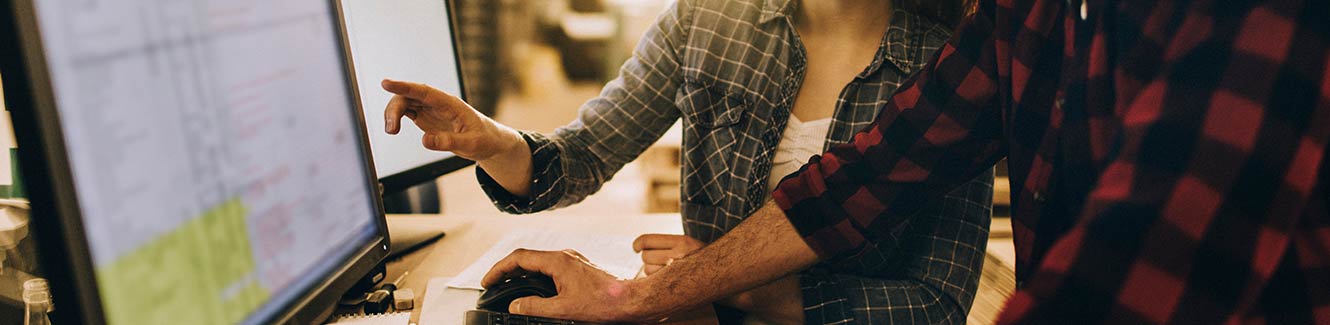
409	233
405	235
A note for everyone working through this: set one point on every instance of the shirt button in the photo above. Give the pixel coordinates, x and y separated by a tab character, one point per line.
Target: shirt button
1039	197
1060	102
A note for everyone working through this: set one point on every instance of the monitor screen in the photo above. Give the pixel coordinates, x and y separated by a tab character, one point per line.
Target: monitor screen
408	40
215	151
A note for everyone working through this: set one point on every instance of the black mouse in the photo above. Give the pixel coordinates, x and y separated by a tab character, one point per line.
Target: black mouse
496	298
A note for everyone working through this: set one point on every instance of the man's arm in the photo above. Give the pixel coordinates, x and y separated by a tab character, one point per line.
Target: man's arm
760	250
945	248
778	302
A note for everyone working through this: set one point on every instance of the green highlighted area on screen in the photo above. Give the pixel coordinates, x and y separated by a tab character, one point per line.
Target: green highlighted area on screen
200	273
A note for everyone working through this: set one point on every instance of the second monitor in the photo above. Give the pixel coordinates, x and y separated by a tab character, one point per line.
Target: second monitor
403	40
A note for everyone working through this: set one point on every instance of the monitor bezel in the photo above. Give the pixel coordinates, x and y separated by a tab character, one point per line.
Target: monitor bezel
414	176
64	253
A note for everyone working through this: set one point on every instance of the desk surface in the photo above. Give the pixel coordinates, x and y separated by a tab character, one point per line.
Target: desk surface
469	236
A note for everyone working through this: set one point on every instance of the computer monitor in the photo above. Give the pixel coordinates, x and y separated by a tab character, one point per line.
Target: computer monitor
404	40
192	162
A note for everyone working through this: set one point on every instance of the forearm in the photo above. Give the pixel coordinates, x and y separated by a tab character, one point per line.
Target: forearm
779	302
512	167
762	249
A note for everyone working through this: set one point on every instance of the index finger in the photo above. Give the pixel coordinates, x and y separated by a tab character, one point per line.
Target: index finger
522	259
418	91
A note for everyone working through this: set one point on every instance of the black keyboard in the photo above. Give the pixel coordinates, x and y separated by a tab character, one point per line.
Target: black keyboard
484	317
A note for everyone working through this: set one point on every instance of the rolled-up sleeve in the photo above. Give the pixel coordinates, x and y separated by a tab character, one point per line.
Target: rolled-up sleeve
546	179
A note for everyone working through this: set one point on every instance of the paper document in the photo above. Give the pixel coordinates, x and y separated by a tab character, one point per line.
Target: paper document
444	305
612	253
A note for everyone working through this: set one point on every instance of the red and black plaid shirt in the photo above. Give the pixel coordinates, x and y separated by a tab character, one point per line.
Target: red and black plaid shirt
1165	157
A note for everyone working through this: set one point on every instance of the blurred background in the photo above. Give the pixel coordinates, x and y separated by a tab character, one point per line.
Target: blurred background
531	64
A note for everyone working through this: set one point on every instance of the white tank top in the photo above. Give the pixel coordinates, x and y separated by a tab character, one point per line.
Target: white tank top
800	141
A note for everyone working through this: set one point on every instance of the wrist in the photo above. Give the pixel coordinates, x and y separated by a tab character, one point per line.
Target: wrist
509	164
636	294
511	150
513	147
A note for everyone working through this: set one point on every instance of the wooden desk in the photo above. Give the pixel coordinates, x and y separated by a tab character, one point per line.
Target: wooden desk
469	236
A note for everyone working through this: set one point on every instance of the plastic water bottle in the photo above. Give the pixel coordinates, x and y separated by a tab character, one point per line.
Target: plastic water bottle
37	299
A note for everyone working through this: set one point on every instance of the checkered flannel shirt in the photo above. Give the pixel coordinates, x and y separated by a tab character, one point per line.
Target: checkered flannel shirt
1166	158
730	70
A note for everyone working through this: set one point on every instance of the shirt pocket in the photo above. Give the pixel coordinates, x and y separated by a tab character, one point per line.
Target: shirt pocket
711	129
